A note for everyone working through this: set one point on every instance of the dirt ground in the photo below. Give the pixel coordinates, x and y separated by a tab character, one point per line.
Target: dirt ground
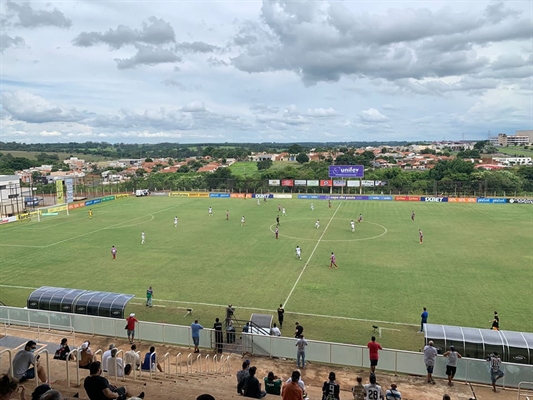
224	387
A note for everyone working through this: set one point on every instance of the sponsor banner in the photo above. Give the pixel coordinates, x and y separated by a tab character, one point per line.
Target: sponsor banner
263	196
159	194
56	209
381	198
121	196
287	182
368	183
75	205
300	182
93	201
238	195
197	194
312	183
380	183
520	200
326	182
339	183
178	194
435	199
462	200
353	183
59	191
49	214
407	198
25	216
311	197
8	220
346	171
273	182
282	196
108	198
70	190
341	197
491	200
219	195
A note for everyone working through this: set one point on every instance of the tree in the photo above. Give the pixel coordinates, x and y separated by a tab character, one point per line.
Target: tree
295	149
481	145
140	172
302	158
148	160
265	164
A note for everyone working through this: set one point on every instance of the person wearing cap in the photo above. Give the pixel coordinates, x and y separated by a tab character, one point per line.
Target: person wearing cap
430	355
106	355
272	384
130	326
331	389
451	367
291	389
86	355
393	393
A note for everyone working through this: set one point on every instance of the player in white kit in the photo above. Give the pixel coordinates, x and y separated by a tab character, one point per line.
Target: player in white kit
317	224
142	237
298	253
175	222
352	224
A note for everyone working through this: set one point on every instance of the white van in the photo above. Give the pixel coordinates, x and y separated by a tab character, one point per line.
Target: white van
142	192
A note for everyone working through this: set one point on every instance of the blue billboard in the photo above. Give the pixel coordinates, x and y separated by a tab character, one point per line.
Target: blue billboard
346	171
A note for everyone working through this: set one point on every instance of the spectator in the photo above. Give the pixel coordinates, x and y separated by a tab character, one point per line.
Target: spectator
446	397
372	390
495	369
298	332
22	362
9	386
291	389
393	393
219	336
106	355
150	361
430	354
98	387
230	332
274	331
230	310
246	328
131	357
373	348
195	334
86	355
451	367
130	326
250	387
301	383
358	390
423	319
243	373
330	389
272	384
300	353
62	351
52	395
205	397
39	391
116	365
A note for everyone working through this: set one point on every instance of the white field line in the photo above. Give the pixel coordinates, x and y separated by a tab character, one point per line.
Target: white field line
21	245
310	256
249	308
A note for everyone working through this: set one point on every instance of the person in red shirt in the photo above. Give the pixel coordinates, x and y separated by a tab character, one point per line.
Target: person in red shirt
373	348
131	320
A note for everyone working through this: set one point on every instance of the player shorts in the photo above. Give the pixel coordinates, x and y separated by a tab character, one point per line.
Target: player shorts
495	375
429	368
450	371
373	363
196	341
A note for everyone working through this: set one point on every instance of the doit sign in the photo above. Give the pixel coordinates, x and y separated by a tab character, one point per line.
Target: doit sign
346	171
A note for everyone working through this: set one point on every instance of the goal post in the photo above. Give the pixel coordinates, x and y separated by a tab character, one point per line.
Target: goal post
44	212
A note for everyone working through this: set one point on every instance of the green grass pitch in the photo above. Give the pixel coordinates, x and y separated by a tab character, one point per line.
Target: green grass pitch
475	259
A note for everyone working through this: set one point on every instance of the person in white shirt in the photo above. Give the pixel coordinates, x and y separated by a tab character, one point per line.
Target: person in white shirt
175	222
131	357
142	237
451	367
283	213
298	253
115	365
373	391
317	224
430	355
274	331
210	211
106	355
312	207
242	221
393	393
352	224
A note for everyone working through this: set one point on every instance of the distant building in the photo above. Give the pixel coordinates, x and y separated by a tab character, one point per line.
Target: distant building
512	160
515	140
11	199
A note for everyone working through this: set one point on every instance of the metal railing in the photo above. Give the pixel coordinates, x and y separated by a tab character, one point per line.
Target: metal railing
38	361
529	389
10	356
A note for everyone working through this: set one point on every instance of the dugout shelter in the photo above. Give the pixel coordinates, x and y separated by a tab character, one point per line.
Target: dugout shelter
515	347
79	301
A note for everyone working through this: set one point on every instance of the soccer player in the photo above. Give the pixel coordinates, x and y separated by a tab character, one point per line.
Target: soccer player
329	203
149	296
352	224
360	218
277	220
175	222
298	253
242	221
279	207
90	213
420	235
283	213
210	211
413	216
317	224
114	252
258	202
332	261
277	232
227	215
312	207
142	237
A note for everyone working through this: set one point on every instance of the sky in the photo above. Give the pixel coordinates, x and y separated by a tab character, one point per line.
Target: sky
264	71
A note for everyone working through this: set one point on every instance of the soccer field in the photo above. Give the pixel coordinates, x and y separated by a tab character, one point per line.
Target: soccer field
476	258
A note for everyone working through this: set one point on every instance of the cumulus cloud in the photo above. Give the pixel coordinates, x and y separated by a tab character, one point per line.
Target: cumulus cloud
155	31
7	41
194	106
148	55
372	115
321	112
50	133
196	47
31	18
